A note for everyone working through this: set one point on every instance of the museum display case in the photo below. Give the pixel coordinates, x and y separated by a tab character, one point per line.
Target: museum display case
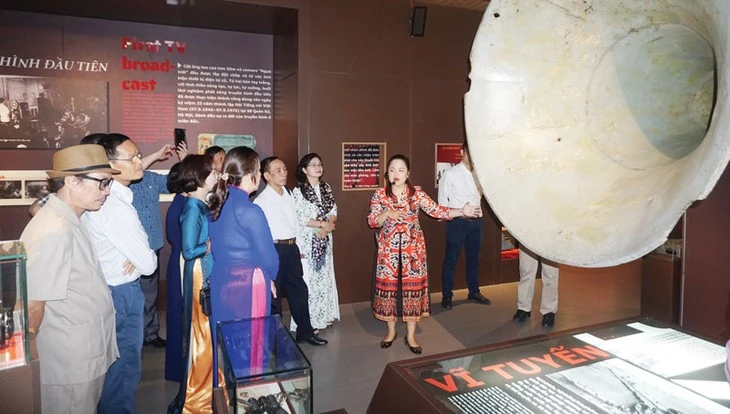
264	368
637	366
14	344
19	375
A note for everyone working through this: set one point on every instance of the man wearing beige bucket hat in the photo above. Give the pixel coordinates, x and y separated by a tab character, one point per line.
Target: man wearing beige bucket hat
70	309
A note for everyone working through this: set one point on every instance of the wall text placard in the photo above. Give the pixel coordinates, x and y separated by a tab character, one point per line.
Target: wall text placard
363	164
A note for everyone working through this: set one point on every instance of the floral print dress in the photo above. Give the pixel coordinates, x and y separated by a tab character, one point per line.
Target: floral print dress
401	246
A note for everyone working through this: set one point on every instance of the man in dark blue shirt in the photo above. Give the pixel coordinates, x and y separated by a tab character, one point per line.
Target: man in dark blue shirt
146	201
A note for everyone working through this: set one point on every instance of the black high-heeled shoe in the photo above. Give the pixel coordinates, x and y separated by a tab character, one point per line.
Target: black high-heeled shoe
387	344
414	349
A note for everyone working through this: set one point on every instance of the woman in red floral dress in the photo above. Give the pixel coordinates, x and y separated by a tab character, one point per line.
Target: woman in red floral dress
401	277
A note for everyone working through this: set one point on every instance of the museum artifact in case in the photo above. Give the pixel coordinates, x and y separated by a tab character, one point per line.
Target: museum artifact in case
14	345
265	370
637	366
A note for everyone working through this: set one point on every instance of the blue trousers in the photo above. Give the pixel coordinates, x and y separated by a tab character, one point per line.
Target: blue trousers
468	233
122	379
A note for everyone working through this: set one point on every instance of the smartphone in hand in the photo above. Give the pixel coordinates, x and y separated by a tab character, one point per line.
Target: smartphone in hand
180	137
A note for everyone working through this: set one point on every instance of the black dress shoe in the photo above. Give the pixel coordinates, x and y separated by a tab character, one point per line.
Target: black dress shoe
156	343
319	339
387	344
313	340
548	320
521	316
479	298
446	303
414	349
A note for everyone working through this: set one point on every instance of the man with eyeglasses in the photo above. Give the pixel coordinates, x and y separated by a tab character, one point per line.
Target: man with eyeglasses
70	307
124	253
280	211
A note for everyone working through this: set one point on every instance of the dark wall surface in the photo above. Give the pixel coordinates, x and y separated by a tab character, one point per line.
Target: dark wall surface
349	71
706	294
369	80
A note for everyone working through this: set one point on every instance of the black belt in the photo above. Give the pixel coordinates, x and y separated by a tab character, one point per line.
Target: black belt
286	241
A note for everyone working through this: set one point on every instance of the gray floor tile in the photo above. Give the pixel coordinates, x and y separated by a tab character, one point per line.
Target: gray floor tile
347	371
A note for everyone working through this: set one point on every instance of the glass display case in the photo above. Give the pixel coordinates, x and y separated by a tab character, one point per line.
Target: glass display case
265	370
635	366
14	345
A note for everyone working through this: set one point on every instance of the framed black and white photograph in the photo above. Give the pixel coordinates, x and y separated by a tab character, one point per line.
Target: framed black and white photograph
50	113
11	189
23	187
36	189
18	187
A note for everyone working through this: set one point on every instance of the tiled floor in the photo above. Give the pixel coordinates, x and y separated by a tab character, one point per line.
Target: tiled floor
347	370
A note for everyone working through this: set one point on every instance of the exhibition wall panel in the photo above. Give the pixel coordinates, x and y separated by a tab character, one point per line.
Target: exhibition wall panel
70	76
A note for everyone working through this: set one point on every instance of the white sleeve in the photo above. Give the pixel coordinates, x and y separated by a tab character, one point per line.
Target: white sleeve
444	183
129	238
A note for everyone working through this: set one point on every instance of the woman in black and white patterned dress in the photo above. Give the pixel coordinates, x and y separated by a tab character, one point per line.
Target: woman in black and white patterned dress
316	216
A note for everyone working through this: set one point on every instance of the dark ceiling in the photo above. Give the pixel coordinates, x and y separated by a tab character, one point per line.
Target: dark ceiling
209	14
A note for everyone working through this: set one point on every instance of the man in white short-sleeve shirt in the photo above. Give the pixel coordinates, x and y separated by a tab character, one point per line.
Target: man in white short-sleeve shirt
280	212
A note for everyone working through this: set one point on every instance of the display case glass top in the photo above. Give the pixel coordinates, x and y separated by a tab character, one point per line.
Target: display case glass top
264	367
260	345
639	366
14	345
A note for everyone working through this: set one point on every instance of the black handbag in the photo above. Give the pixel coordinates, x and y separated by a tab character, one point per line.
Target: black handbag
205	300
204	296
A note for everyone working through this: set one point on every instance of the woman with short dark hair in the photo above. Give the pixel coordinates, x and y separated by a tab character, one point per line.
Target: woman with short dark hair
196	178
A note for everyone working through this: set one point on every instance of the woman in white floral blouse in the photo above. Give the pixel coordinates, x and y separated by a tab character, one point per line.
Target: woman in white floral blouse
316	216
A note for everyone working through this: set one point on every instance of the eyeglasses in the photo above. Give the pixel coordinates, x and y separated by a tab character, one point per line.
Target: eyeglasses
104	183
137	157
313	165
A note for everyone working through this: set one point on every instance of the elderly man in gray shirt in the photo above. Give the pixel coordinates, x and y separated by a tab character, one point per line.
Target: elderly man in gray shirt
71	315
